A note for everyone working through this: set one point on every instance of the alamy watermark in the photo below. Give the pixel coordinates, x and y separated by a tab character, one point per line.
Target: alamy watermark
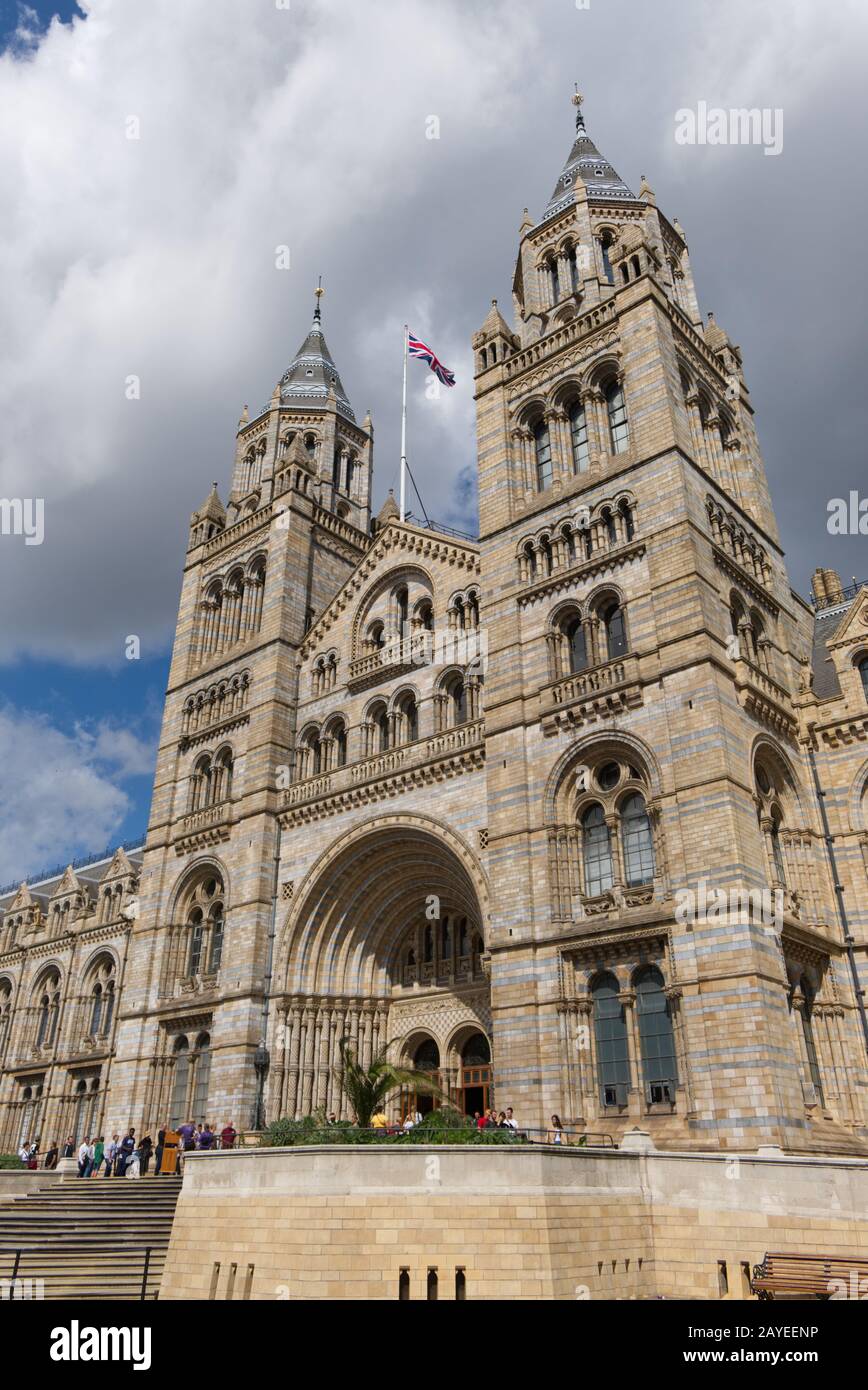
715	125
729	906
23	516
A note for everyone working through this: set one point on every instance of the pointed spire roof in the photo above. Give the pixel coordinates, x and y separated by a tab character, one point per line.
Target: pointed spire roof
586	163
312	372
389	510
212	508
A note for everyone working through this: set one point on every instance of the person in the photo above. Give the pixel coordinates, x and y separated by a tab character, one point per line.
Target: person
509	1119
408	1122
111	1153
379	1120
83	1158
188	1136
197	1137
206	1138
133	1166
332	1119
228	1136
24	1151
161	1144
556	1133
52	1156
98	1155
127	1146
500	1121
491	1119
91	1152
145	1151
478	1120
33	1155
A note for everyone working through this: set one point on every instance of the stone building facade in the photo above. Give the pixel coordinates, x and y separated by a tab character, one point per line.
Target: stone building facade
574	815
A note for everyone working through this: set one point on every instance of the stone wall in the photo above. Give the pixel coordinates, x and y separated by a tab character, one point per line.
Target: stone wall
525	1222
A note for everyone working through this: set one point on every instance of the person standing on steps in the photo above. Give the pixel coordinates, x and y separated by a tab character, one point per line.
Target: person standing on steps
145	1151
98	1155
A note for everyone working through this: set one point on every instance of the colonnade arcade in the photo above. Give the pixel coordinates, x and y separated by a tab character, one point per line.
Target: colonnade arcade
386	948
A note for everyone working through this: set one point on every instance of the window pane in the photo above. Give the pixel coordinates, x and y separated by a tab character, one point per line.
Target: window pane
543	456
610	1030
655	1029
597	852
617	408
638	842
579	438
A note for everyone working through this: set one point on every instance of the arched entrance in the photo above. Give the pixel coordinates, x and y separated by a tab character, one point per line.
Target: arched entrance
385	949
476	1074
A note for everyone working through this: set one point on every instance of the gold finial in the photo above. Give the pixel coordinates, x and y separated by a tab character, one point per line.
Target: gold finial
577	100
577	97
319	292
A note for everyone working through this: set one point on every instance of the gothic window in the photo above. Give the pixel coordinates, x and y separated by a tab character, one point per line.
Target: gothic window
5	1016
428	944
351	468
806	1012
610	1035
338	734
609	524
310	445
216	952
616	407
616	634
48	1010
862	668
579	437
605	245
637	840
656	1037
546	553
197	931
542	444
597	852
401	609
554	287
425	616
530	562
427	1056
408	718
446	940
573	265
201	1067
626	514
377	730
456	692
221	780
569	540
777	852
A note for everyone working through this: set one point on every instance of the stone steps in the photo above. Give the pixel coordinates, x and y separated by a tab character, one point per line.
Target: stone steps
87	1239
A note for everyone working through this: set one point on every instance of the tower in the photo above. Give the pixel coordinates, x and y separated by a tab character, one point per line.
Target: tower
258	572
648	794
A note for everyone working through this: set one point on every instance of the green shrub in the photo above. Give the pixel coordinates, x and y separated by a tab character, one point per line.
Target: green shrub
10	1161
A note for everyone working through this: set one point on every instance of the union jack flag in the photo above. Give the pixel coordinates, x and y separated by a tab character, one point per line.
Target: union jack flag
417	348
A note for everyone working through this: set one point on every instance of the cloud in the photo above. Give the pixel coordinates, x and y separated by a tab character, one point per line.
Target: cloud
58	789
257	127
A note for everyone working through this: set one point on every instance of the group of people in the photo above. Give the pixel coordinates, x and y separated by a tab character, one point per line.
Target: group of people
128	1157
490	1119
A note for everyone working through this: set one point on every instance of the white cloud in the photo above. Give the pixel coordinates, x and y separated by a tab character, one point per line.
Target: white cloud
261	126
61	790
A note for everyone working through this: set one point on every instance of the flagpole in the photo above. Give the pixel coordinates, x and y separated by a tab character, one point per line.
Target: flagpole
404	423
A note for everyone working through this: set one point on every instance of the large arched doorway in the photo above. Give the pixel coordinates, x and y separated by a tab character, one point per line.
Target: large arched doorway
386	949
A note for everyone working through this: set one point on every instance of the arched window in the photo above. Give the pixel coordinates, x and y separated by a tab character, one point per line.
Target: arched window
530	561
656	1037
42	1037
545	549
573	265
596	852
428	944
216	952
180	1083
577	650
777	851
457	702
222	776
542	443
806	1011
626	514
579	437
616	634
609	523
862	668
610	1035
108	1008
339	734
605	245
554	287
401	608
96	1010
427	1056
446	940
637	840
616	407
408	712
196	923
351	468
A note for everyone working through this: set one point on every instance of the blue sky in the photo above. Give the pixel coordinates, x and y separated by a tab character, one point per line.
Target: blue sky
45	11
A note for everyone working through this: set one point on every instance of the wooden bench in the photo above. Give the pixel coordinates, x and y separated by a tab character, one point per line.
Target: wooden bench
810	1276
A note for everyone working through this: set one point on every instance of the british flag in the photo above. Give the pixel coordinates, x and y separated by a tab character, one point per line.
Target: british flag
417	348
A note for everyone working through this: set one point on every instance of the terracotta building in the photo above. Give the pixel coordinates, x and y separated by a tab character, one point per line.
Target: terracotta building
574	814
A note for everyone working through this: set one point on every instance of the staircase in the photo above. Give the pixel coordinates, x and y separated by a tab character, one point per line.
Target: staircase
89	1238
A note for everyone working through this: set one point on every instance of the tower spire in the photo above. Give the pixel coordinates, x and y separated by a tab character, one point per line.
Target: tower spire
318	292
577	100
